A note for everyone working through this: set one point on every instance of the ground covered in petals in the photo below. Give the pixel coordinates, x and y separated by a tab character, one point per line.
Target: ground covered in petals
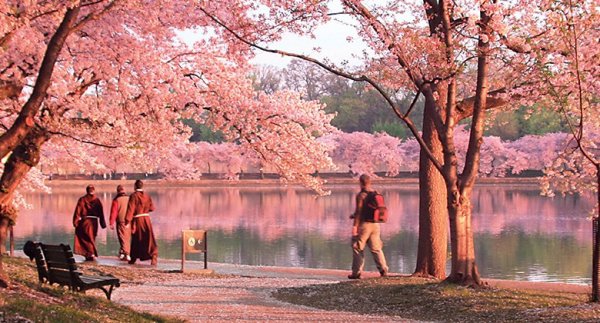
422	299
150	294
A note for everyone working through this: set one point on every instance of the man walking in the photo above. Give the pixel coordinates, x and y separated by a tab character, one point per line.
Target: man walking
365	231
143	244
118	210
85	220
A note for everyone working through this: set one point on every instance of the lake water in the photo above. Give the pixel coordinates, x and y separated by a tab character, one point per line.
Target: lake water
518	233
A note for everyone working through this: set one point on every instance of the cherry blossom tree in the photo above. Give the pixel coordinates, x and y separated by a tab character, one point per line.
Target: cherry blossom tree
370	153
114	75
571	75
365	153
462	57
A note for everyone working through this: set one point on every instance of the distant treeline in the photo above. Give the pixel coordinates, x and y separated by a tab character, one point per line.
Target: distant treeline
358	108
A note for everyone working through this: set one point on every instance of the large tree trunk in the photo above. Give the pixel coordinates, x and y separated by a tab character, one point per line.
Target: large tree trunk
25	122
23	158
464	269
22	138
4	223
433	213
596	243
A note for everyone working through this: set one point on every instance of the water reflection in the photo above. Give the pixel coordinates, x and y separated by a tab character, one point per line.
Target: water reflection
519	234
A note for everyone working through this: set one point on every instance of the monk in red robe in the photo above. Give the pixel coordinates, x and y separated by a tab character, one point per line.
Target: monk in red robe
118	210
85	220
143	243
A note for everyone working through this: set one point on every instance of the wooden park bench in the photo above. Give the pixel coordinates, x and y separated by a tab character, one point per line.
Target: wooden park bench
56	265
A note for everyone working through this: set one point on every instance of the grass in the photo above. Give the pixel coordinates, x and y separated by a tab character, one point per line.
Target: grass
422	299
25	299
397	297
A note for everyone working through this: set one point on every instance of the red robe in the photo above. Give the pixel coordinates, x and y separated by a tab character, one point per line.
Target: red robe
85	220
143	243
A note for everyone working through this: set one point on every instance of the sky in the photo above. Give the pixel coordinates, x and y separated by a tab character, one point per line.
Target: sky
331	38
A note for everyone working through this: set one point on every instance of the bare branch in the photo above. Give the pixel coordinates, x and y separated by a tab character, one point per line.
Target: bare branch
363	78
182	54
412	105
58	133
94	15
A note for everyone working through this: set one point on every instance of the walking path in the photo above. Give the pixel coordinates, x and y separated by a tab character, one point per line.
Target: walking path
245	296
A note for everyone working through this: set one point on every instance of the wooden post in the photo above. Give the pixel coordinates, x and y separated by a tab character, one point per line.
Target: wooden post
12	240
205	250
182	250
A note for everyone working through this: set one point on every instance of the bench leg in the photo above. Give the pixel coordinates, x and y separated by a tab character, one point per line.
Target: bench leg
108	292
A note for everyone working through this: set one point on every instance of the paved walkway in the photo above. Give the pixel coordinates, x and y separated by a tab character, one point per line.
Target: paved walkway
243	298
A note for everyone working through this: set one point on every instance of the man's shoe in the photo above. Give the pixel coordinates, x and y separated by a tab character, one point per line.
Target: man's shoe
122	257
131	262
128	257
353	276
383	273
91	258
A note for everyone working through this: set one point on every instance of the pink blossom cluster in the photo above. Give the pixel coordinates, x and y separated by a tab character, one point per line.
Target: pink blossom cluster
124	81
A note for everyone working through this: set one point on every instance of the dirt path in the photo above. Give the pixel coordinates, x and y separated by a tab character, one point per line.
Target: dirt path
244	295
240	299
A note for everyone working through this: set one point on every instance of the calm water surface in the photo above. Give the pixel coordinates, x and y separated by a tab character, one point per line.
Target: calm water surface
519	234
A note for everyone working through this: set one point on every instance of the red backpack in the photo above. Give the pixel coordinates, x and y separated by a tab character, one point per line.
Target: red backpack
374	209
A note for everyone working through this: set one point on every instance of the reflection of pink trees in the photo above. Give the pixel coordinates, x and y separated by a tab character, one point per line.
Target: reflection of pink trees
274	212
498	210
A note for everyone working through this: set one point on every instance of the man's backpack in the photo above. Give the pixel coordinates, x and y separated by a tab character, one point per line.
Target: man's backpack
374	209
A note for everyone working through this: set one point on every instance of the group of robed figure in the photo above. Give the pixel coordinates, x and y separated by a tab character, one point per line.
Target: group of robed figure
130	214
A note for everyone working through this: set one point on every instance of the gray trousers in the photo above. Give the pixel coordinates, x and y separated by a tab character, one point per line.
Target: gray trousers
368	234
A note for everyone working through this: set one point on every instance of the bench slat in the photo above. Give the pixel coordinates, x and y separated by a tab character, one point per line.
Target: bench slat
62	265
57	265
58	255
62	277
89	281
94	279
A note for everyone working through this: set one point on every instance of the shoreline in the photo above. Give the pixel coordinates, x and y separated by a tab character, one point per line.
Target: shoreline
321	274
534	182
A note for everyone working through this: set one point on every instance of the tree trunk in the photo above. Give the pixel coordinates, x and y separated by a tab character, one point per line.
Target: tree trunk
24	122
464	270
596	242
4	223
460	188
433	216
23	158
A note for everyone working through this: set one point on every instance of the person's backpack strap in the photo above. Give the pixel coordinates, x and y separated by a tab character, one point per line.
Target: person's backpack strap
369	206
380	212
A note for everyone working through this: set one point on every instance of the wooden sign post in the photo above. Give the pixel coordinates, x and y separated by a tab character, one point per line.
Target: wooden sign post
193	241
12	241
